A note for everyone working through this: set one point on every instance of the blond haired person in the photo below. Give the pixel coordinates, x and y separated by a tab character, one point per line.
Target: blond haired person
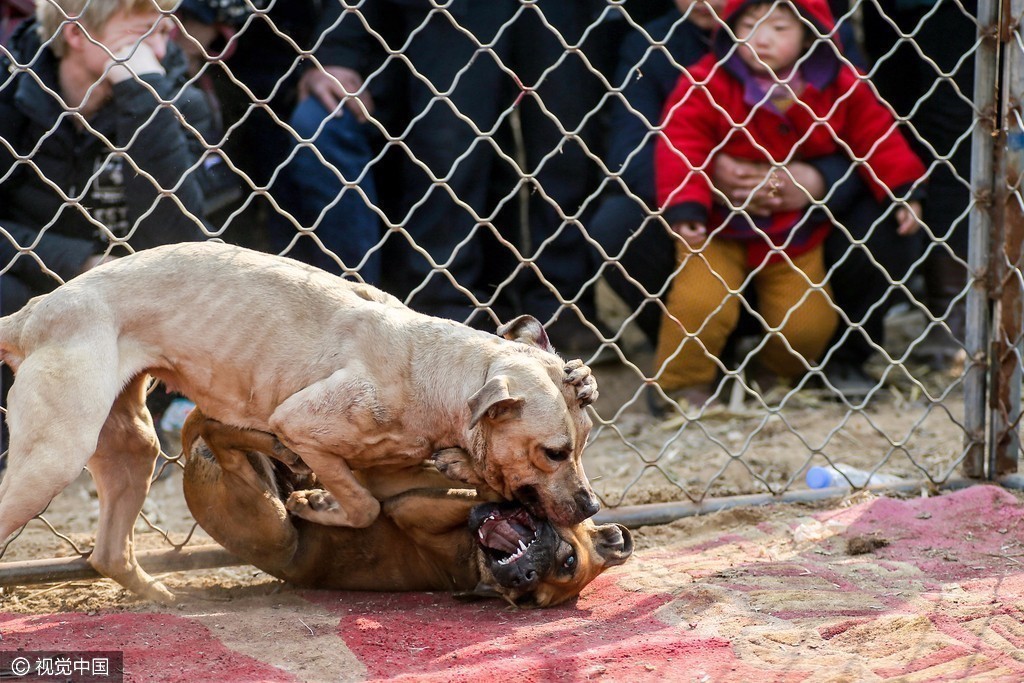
94	156
103	155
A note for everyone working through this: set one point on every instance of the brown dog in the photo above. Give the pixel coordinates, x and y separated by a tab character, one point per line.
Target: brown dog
427	537
346	376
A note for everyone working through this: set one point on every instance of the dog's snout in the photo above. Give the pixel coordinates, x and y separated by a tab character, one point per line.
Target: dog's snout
527	579
587	503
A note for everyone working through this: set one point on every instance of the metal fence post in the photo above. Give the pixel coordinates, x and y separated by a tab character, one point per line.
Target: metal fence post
1004	262
984	141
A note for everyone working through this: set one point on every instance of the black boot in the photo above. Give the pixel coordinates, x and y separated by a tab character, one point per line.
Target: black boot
945	280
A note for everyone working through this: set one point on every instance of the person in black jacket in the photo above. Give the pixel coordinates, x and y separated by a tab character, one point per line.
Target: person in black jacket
94	158
442	86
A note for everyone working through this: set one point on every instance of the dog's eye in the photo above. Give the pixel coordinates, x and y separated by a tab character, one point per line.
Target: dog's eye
557	455
570	562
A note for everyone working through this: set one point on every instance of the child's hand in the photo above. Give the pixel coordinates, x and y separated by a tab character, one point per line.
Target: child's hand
908	218
691	232
138	59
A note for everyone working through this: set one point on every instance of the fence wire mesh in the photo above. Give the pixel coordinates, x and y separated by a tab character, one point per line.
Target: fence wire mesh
484	159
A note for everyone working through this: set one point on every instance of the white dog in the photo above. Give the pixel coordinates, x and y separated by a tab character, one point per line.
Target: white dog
344	375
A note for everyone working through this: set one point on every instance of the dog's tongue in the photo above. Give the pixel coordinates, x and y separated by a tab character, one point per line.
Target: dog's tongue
505	533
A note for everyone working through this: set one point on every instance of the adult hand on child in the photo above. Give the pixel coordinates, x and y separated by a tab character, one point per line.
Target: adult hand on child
693	233
335	84
799	185
764	188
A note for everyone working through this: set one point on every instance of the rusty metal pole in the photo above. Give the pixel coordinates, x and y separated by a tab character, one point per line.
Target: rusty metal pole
1005	250
984	142
55	569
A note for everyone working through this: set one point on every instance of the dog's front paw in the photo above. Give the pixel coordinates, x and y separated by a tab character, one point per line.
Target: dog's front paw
317	500
582	377
321	507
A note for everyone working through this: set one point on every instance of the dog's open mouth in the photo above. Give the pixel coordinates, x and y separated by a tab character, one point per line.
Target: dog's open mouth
506	532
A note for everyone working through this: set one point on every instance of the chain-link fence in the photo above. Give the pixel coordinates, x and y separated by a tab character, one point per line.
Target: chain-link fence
853	214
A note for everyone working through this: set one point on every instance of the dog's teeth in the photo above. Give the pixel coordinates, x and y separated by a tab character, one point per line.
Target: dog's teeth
514	556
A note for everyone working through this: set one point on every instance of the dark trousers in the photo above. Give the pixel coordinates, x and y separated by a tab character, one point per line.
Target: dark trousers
640	258
316	196
942	117
456	182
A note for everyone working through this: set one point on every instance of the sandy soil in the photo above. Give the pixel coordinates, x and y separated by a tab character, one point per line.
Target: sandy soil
910	426
864	588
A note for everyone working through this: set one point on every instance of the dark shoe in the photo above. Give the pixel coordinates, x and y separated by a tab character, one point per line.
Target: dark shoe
691	402
848	380
945	281
939	350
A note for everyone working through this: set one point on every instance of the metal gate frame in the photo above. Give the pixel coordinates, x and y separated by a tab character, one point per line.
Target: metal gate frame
999	235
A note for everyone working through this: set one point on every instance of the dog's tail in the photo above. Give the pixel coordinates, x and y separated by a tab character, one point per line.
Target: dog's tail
11	327
11	352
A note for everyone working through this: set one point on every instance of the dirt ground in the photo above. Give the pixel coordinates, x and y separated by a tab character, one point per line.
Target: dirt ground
866	588
911	427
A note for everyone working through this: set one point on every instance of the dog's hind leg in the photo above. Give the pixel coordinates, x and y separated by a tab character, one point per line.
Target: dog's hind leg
56	408
221	438
237	505
122	468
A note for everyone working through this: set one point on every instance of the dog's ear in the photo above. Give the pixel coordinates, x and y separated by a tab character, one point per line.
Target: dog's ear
494	401
527	330
614	543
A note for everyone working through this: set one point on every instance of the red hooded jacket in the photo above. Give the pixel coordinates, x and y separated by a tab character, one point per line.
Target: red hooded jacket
716	107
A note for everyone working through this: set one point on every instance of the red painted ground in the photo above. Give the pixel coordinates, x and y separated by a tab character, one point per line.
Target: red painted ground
781	599
609	632
157	647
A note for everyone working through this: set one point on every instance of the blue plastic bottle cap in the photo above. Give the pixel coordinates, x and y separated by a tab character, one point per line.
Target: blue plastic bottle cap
819	478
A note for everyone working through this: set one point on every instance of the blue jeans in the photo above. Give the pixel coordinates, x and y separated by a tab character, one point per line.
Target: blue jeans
314	194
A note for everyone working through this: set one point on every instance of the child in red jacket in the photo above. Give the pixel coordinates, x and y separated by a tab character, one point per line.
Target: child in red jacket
775	89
